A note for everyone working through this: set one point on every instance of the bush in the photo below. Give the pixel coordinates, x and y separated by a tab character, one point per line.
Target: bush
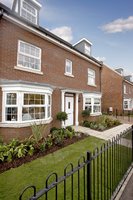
86	123
70	128
86	113
53	129
61	116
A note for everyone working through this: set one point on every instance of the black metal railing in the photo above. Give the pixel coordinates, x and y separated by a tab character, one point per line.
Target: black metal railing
98	176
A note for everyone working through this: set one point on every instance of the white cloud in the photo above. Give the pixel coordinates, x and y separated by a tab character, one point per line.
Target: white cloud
101	58
63	32
8	3
119	25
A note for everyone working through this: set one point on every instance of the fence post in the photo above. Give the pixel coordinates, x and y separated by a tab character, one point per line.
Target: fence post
128	116
88	176
116	113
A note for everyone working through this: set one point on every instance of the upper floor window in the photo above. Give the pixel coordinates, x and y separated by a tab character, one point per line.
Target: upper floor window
91	77
125	89
29	12
87	49
29	56
68	67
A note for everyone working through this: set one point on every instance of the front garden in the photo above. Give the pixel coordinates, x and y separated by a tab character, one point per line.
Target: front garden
101	123
13	181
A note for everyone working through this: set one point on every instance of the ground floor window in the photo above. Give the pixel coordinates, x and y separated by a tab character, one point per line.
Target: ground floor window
26	106
128	104
93	103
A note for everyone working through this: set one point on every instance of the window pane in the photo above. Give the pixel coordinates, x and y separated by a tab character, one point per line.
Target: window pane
11	99
34	99
68	66
11	114
96	109
33	113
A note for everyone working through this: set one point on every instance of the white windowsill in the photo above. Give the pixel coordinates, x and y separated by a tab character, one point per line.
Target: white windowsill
24	124
96	114
28	70
70	75
91	85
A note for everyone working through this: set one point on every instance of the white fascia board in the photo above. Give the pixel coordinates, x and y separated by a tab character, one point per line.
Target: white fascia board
37	3
72	91
44	36
26	88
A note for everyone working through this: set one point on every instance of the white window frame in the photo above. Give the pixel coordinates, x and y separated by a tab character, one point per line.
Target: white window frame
68	73
29	56
20	90
125	89
92	96
129	104
91	76
28	12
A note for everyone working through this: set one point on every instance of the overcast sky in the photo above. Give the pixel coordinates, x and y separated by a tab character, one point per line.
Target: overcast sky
107	24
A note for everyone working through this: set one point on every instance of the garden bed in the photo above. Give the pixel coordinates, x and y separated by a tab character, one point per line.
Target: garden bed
19	161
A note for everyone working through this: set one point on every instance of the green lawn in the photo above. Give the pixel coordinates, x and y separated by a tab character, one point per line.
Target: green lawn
13	181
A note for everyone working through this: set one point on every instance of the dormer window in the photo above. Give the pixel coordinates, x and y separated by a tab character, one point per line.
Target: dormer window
27	9
29	12
87	49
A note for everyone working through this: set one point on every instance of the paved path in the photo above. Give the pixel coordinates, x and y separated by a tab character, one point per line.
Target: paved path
106	135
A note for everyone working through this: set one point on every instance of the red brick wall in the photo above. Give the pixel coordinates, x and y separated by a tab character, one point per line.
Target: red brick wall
112	90
52	66
53	61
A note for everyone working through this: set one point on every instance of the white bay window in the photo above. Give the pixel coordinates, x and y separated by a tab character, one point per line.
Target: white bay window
24	105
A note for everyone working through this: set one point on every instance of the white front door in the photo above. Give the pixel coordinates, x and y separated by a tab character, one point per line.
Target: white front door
69	109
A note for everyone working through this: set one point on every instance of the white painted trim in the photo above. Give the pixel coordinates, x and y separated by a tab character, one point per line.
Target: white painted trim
70	75
62	106
28	70
72	91
25	124
76	110
81	40
44	36
26	88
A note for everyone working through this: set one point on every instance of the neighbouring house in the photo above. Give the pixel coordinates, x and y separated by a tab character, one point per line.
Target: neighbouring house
41	74
117	91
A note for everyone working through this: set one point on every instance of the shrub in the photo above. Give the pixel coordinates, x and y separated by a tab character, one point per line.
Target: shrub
86	113
62	116
70	128
86	123
53	129
37	131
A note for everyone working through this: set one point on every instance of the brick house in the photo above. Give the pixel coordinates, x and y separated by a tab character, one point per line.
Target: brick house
41	74
117	90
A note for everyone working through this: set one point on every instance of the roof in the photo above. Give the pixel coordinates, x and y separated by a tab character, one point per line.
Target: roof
83	40
9	12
